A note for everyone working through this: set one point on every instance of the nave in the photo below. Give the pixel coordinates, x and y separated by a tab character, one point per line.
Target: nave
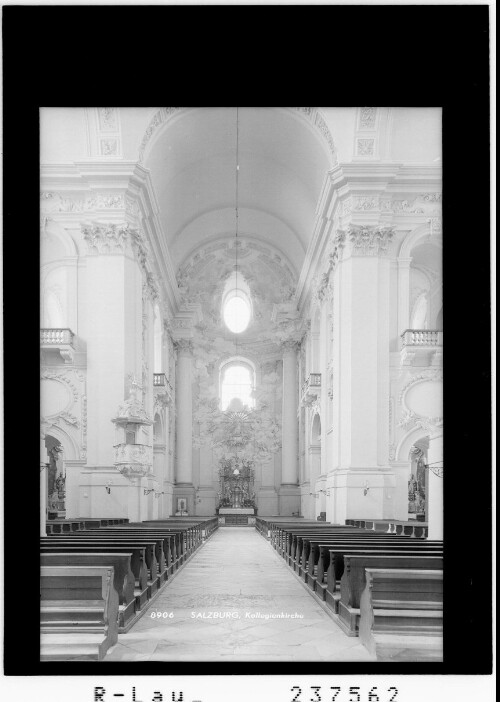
236	572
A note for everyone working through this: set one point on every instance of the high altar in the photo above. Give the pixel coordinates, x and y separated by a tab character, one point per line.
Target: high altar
236	494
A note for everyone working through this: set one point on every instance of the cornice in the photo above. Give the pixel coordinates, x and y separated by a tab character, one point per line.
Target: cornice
134	181
365	181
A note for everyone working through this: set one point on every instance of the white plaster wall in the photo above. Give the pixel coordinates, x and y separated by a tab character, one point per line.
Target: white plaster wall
416	134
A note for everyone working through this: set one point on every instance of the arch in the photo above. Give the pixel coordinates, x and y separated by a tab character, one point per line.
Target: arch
56	243
71	450
312	116
411	240
407	441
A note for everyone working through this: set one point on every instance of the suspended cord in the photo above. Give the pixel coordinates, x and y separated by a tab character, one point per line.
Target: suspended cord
236	206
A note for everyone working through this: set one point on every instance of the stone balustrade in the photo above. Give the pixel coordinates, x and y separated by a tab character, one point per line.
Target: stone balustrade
422	337
160	380
54	337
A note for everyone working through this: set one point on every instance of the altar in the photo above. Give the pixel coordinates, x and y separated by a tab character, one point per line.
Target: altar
236	495
236	516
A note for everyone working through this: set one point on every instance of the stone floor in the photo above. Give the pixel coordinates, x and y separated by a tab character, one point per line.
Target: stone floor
220	601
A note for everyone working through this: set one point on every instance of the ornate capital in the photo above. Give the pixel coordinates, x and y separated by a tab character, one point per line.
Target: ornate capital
183	345
106	238
368	240
289	346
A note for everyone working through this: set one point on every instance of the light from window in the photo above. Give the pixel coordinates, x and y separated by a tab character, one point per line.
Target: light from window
237	382
237	314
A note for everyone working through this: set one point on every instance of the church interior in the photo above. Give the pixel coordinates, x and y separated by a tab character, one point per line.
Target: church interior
241	434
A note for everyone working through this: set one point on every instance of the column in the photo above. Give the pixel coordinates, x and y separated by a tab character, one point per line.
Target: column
403	294
361	483
289	491
184	440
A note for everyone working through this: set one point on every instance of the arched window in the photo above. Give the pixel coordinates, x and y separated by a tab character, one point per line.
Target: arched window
236	304
237	381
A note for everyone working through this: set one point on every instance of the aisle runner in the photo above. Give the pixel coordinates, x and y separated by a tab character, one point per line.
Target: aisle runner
236	600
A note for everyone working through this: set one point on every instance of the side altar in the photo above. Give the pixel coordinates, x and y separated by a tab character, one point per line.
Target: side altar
236	493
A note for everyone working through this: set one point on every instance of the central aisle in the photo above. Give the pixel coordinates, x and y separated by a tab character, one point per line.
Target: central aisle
236	574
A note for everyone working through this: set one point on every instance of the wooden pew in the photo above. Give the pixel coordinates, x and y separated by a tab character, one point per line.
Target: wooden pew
78	613
124	580
317	551
353	580
137	563
169	544
153	550
401	614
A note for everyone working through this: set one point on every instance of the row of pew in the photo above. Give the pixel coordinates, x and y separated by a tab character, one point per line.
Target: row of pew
388	526
97	582
386	588
63	526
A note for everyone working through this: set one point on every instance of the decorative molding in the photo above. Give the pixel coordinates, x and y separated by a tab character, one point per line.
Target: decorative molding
435	375
322	289
109	147
107	119
365	147
54	202
436	225
159	118
366	203
367	117
316	118
412	419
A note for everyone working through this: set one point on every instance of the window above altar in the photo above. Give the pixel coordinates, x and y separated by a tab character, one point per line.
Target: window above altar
236	304
237	382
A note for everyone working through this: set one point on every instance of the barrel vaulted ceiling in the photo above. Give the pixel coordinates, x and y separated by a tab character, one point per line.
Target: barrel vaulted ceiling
283	159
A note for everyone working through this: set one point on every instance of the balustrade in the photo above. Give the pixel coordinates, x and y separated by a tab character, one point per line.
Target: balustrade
422	337
160	380
54	337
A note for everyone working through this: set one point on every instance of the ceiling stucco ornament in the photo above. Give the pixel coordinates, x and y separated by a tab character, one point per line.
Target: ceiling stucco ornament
271	282
368	240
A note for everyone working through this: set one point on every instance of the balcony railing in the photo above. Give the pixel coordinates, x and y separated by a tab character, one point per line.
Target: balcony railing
55	337
311	388
160	380
422	337
59	340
